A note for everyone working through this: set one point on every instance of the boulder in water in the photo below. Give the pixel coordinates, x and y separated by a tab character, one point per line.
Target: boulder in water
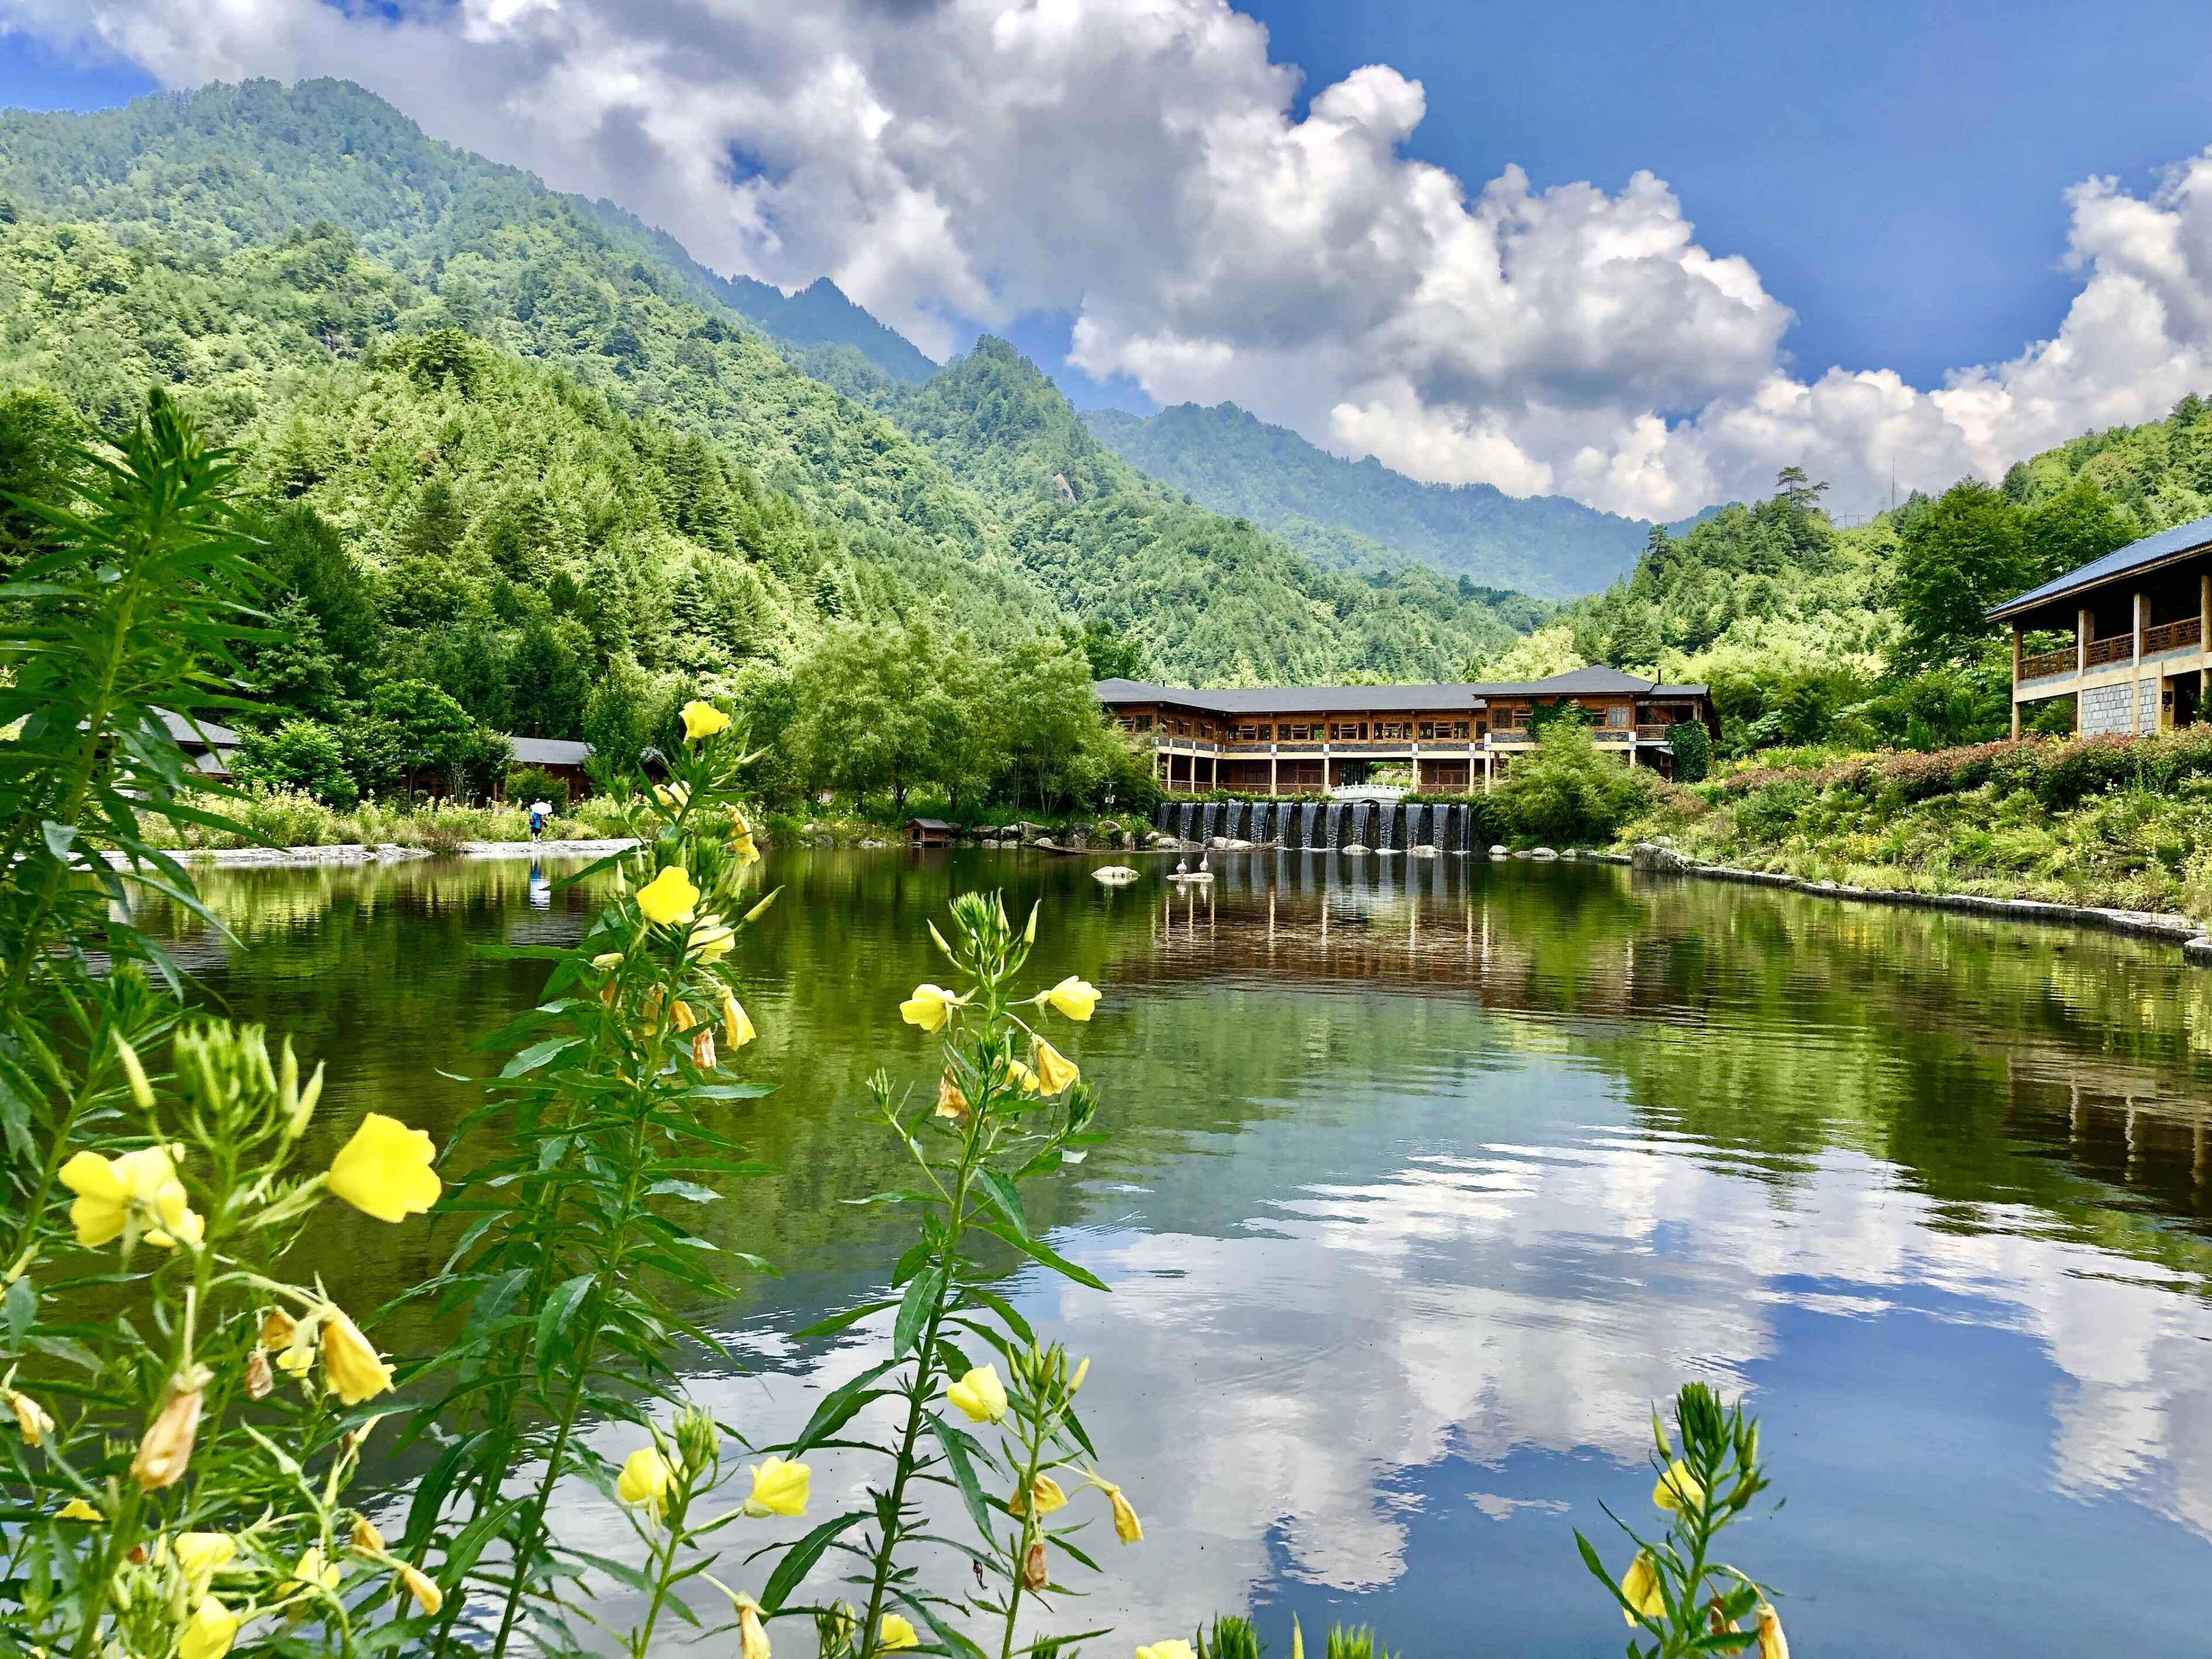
1542	853
1499	849
1238	846
1425	851
1114	875
1354	850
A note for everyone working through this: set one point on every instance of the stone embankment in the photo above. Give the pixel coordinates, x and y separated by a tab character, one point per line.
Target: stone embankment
247	858
1656	858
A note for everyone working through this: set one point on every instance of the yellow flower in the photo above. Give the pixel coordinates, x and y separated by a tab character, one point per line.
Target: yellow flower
929	1006
350	1365
1169	1650
1773	1644
365	1540
741	839
1639	1588
711	939
683	1014
673	796
1073	997
1126	1526
167	1446
737	1024
1044	1497
703	719
198	1554
951	1103
1019	1073
385	1170
31	1417
645	1480
779	1488
607	959
668	898
424	1588
979	1395
1678	1489
752	1637
1055	1071
108	1189
313	1573
896	1632
78	1510
209	1632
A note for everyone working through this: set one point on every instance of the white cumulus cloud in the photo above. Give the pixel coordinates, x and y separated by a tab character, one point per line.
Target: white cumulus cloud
1143	166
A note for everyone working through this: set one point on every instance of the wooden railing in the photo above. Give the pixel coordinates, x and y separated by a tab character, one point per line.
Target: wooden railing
1648	733
1511	734
2121	647
2173	636
2045	663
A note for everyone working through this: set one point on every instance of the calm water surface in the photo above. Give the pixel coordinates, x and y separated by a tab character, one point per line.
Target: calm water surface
1427	1178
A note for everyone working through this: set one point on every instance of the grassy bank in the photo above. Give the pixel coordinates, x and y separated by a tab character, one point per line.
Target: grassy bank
2103	821
285	818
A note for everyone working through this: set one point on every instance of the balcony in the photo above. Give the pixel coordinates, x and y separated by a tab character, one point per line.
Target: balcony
2120	647
2045	663
1652	733
1507	738
2174	636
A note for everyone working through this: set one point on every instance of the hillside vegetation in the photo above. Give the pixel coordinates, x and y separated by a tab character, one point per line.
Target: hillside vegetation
451	241
1363	517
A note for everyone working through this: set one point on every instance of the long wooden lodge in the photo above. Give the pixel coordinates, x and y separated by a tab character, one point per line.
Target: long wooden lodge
2140	617
1302	740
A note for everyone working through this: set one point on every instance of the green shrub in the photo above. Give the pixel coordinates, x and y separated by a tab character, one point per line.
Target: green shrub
1692	746
1569	792
301	756
526	784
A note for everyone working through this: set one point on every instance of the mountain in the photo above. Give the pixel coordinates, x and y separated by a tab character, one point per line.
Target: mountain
1114	545
322	206
1360	515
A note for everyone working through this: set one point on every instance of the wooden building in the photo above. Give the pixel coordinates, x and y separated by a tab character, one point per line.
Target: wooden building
1299	740
562	757
2136	621
928	832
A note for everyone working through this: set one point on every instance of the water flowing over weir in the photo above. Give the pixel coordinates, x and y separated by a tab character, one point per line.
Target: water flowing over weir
1417	818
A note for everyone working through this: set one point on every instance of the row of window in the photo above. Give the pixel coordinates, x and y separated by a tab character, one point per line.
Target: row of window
1510	719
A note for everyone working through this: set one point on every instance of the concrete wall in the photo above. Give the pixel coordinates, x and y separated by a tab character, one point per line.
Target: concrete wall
2109	708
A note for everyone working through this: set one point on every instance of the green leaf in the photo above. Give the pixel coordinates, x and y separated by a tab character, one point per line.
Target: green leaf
838	1406
557	1308
59	838
798	1560
537	1053
963	1473
19	1308
915	1308
1009	1201
1037	1250
845	1321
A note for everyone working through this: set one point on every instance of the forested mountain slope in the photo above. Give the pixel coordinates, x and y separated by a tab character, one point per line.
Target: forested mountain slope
179	182
1116	545
1362	516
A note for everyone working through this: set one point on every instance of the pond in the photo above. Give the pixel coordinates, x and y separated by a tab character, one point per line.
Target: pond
1428	1178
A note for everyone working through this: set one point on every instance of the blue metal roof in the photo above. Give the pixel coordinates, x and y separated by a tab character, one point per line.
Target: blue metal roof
2135	556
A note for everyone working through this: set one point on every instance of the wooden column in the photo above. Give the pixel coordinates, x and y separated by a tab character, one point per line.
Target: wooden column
1324	768
1271	765
2015	680
2203	644
2085	624
2143	624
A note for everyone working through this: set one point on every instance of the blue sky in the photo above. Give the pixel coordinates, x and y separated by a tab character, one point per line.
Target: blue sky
1890	192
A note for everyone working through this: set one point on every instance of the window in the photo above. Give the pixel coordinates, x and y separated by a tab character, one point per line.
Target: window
1617	716
1144	722
1349	731
1296	732
1251	733
1459	728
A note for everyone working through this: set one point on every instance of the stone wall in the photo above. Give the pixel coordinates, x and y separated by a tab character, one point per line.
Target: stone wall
2110	709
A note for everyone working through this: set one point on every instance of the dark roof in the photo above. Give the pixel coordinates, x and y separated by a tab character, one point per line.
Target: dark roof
927	823
550	751
1333	699
2189	537
200	734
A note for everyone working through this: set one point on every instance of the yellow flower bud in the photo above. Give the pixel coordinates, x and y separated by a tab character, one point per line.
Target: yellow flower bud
607	959
979	1395
1773	1644
198	1554
741	839
1678	1489
277	1329
365	1540
424	1588
1044	1497
1082	1370
313	1572
645	1480
669	898
1169	1650
737	1024
1073	997
210	1631
1126	1526
779	1488
929	1007
78	1510
752	1637
31	1417
1639	1588
167	1446
385	1170
1022	1076
351	1368
703	719
896	1632
673	796
1055	1071
712	938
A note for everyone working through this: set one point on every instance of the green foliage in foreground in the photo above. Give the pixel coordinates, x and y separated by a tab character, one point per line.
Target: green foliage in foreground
2106	821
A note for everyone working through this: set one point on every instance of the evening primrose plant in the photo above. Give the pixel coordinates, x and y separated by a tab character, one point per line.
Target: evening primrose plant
594	1141
981	1408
